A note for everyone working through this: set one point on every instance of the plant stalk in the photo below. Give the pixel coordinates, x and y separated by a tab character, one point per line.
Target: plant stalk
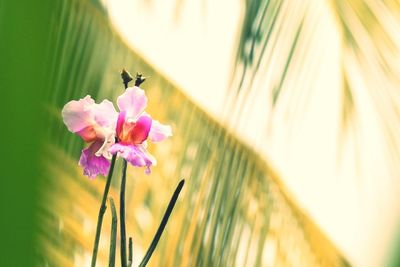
126	78
130	255
163	223
102	210
122	214
113	239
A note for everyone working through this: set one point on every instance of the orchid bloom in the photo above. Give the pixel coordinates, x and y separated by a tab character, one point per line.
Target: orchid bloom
135	127
100	125
95	123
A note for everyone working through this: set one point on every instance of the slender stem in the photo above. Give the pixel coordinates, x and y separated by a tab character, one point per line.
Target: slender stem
113	239
126	78
122	214
162	224
102	210
130	255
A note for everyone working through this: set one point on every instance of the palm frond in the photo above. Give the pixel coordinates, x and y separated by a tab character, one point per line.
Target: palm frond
371	54
285	77
234	210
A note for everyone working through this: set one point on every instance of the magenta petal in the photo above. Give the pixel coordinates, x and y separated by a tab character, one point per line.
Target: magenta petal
159	132
119	148
140	131
120	122
134	154
133	101
92	164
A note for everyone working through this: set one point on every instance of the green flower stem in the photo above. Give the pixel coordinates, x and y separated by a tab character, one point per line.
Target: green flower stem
126	78
122	214
113	239
162	224
102	210
130	255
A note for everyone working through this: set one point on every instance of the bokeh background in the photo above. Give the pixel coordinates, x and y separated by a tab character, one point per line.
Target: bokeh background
285	118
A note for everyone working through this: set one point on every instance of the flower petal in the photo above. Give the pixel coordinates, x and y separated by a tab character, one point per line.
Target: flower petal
159	132
105	114
89	120
133	101
109	140
92	164
120	122
88	134
134	154
77	114
140	130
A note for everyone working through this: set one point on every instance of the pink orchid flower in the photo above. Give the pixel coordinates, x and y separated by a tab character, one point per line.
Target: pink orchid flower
95	123
100	124
135	127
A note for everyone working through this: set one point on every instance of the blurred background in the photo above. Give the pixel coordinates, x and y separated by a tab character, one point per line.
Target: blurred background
286	121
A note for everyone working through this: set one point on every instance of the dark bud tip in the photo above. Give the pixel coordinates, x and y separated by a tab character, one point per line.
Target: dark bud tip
126	76
139	79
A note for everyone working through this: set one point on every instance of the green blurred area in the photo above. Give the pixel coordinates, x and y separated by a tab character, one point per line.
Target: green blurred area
24	27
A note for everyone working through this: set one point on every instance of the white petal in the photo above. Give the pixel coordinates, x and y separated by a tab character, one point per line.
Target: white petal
77	114
159	132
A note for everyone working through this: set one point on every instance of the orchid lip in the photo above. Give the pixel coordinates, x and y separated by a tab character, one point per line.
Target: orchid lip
134	133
